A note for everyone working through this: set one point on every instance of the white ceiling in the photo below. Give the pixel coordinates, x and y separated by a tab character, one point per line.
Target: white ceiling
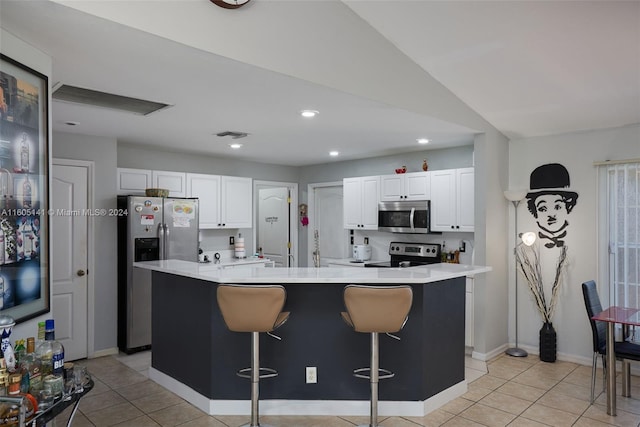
528	68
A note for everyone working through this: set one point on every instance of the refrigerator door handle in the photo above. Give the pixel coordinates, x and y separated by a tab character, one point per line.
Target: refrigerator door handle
161	239
166	241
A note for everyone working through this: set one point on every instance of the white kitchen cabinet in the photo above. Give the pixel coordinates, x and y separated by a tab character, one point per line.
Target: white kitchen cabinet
405	186
175	182
236	202
452	200
133	181
360	197
207	189
468	314
225	201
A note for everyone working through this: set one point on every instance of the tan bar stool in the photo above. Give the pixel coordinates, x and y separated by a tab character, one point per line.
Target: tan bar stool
255	309
375	310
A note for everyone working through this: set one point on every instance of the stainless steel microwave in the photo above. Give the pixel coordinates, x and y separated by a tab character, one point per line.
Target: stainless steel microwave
404	217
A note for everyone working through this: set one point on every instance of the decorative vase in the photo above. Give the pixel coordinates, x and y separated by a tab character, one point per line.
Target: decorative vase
425	166
548	343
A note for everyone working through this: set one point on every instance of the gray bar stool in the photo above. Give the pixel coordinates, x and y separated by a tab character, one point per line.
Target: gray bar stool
375	310
255	309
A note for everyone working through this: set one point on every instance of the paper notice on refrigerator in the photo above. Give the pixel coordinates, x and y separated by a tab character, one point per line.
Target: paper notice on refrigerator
183	213
146	219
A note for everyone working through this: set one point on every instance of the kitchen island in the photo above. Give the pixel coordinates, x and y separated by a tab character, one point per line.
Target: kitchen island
196	357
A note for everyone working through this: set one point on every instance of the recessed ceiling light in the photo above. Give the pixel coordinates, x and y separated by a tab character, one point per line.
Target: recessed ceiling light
333	153
309	113
235	145
422	141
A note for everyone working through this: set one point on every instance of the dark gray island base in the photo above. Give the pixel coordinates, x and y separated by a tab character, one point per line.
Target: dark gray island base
196	356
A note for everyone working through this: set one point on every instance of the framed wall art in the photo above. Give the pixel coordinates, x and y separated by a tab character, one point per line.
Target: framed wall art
24	159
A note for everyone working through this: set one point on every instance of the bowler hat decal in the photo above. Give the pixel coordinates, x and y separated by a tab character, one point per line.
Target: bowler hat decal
550	202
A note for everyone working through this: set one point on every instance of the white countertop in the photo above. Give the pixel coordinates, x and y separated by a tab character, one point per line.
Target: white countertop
351	262
338	275
226	262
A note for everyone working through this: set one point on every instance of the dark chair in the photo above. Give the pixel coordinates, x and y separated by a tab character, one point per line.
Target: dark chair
624	350
254	309
374	310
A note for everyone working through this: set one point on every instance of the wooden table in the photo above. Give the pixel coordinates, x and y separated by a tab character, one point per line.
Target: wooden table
624	316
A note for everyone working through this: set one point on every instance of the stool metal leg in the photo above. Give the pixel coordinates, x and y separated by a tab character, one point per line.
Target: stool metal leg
375	364
255	377
255	380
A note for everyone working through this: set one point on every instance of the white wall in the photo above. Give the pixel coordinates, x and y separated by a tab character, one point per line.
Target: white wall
102	151
577	152
37	60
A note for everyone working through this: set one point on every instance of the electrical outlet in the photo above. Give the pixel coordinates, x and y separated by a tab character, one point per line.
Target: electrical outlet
312	374
352	240
232	240
366	240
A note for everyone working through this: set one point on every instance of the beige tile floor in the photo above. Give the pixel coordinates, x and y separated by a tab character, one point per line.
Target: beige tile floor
519	392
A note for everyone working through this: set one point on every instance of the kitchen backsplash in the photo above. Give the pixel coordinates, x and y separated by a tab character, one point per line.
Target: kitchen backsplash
380	241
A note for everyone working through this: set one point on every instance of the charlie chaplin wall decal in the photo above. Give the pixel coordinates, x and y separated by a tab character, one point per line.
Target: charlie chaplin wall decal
550	202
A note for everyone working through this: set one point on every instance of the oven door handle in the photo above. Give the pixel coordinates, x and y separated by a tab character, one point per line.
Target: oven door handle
413	211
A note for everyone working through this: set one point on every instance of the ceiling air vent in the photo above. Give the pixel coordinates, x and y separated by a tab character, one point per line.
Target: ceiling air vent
232	134
80	95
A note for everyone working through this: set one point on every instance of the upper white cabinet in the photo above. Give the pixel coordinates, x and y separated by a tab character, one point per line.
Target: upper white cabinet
225	201
236	202
452	200
405	186
133	181
207	189
175	182
360	197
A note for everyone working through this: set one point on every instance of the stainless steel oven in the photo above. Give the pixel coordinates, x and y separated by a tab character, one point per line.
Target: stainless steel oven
410	255
404	217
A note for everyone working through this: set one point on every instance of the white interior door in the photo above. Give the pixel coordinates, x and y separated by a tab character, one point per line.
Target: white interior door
273	225
328	218
69	260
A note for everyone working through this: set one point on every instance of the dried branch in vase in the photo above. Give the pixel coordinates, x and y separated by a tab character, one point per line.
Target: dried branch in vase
528	264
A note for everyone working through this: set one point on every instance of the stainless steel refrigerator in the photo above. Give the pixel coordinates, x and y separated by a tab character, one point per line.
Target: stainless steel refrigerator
154	228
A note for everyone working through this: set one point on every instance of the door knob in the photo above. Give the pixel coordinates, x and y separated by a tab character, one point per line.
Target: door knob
80	273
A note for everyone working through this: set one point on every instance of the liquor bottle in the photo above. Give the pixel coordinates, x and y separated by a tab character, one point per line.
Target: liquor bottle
28	237
50	352
31	364
24	153
26	193
4	375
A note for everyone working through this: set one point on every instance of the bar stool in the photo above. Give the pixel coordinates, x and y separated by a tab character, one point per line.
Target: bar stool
255	309
375	310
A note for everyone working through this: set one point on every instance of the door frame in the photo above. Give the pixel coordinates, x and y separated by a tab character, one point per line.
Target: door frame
90	166
311	195
293	213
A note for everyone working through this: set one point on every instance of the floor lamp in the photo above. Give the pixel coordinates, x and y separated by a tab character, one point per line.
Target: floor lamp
515	196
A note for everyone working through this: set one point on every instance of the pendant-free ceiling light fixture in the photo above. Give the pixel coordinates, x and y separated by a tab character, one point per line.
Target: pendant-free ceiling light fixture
309	113
515	196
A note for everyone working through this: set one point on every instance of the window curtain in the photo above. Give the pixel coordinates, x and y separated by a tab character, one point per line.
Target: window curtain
623	221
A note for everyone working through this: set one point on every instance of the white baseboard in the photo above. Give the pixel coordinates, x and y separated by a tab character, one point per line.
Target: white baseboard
105	352
307	407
